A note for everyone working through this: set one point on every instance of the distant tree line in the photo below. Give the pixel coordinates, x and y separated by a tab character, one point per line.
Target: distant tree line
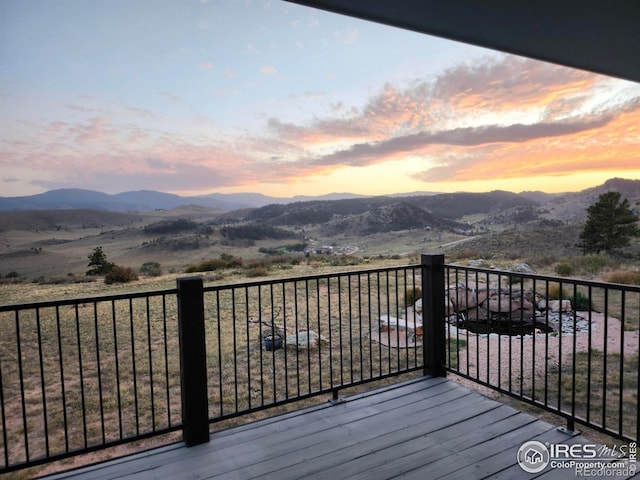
254	231
176	226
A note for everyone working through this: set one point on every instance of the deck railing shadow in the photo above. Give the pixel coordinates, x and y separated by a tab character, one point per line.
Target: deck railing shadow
87	374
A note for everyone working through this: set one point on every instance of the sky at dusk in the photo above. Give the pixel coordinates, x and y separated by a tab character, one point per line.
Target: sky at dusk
201	96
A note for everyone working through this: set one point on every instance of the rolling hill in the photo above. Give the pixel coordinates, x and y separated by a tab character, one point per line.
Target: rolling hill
47	242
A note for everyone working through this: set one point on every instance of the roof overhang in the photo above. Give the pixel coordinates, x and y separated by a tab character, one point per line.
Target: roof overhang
601	36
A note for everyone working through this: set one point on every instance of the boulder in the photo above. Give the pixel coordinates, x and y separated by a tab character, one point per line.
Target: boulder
304	340
462	298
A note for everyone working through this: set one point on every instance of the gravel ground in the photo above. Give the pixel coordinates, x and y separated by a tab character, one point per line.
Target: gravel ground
500	359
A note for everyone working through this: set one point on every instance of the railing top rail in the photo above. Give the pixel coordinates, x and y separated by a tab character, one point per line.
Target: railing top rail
95	299
547	278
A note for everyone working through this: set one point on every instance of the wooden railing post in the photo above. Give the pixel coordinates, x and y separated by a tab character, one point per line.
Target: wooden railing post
433	337
193	361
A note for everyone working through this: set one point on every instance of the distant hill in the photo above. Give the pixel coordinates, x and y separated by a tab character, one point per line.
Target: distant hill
370	215
573	206
52	220
51	234
145	200
301	210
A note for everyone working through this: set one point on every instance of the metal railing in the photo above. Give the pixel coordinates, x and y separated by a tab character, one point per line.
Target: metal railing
327	326
567	346
86	374
267	343
79	375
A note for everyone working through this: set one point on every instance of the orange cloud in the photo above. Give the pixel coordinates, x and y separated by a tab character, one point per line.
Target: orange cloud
616	146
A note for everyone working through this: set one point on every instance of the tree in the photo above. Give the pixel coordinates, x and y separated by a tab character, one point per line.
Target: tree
98	262
610	224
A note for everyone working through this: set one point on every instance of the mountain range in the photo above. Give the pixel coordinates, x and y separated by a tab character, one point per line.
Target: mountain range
50	234
421	207
146	200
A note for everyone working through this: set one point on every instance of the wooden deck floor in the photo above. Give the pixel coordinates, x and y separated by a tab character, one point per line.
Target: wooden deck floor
424	429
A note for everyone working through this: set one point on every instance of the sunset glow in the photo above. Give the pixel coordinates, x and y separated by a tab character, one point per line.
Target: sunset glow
195	97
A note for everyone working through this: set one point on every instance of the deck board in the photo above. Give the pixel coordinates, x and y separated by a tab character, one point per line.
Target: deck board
426	428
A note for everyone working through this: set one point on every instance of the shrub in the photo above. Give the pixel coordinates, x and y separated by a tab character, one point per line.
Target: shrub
544	260
209	265
564	269
257	272
120	275
626	278
151	269
258	263
592	264
411	295
579	301
231	261
343	260
212	264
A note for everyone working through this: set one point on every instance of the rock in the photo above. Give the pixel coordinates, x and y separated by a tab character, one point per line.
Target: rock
462	298
417	307
304	340
520	268
554	305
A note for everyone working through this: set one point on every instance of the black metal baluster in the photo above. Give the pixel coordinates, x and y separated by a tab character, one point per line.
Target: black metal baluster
133	367
166	358
150	356
42	386
62	385
81	374
5	444
115	348
22	393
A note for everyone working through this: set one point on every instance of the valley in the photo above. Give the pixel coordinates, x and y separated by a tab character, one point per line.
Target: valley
497	226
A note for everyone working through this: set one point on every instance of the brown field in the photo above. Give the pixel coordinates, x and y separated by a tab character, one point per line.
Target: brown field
44	245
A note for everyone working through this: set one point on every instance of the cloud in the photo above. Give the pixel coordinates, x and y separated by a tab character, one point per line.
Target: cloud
96	129
206	65
507	108
347	36
370	153
610	147
498	117
322	131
